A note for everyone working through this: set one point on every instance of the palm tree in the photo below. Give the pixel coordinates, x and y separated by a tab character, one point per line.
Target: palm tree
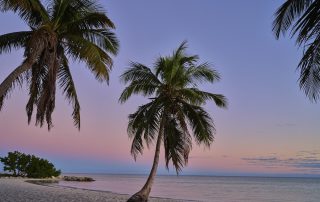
175	106
302	16
64	30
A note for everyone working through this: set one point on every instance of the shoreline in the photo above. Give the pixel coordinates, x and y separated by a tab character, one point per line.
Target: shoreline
22	189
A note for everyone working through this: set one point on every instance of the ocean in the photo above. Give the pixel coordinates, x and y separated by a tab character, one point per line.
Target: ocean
209	188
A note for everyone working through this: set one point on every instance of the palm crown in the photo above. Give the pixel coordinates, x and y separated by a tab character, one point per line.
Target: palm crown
302	16
172	86
66	29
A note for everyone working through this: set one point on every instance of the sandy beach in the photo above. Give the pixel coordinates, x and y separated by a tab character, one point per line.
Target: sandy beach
18	190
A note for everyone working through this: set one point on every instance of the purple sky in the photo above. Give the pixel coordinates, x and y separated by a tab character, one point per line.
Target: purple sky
270	126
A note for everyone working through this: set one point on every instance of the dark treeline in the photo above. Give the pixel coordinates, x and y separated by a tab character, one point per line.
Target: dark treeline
26	165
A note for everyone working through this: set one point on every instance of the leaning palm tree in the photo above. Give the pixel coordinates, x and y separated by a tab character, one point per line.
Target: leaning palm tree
303	18
64	29
174	109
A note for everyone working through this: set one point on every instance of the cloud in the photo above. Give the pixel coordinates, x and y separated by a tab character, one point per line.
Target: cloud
260	159
308	154
200	157
304	161
309	165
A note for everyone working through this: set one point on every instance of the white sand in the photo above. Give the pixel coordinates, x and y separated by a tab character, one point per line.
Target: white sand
17	190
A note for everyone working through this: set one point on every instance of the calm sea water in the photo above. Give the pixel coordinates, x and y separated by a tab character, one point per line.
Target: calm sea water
213	189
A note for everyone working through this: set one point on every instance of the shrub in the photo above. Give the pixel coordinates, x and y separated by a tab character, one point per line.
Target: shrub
24	165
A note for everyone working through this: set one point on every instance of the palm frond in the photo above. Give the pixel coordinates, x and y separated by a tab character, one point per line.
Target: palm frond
139	72
142	81
174	145
32	11
16	77
88	21
180	51
38	74
75	15
18	81
202	73
191	96
14	40
143	124
103	38
58	9
287	14
89	6
97	60
137	144
201	123
186	136
46	102
68	87
160	66
198	97
303	17
177	142
167	67
308	24
137	87
310	71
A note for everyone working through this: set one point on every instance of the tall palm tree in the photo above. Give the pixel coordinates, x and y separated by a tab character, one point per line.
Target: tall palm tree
303	18
175	107
64	30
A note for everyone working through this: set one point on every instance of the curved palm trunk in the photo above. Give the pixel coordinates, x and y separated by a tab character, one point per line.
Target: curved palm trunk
143	194
8	82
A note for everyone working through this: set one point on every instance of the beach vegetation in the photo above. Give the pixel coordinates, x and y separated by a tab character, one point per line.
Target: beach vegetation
60	31
175	116
25	165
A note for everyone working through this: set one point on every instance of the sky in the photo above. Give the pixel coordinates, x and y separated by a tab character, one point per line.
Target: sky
269	128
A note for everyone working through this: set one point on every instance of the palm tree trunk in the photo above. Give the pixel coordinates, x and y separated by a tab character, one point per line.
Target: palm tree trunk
8	82
143	194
